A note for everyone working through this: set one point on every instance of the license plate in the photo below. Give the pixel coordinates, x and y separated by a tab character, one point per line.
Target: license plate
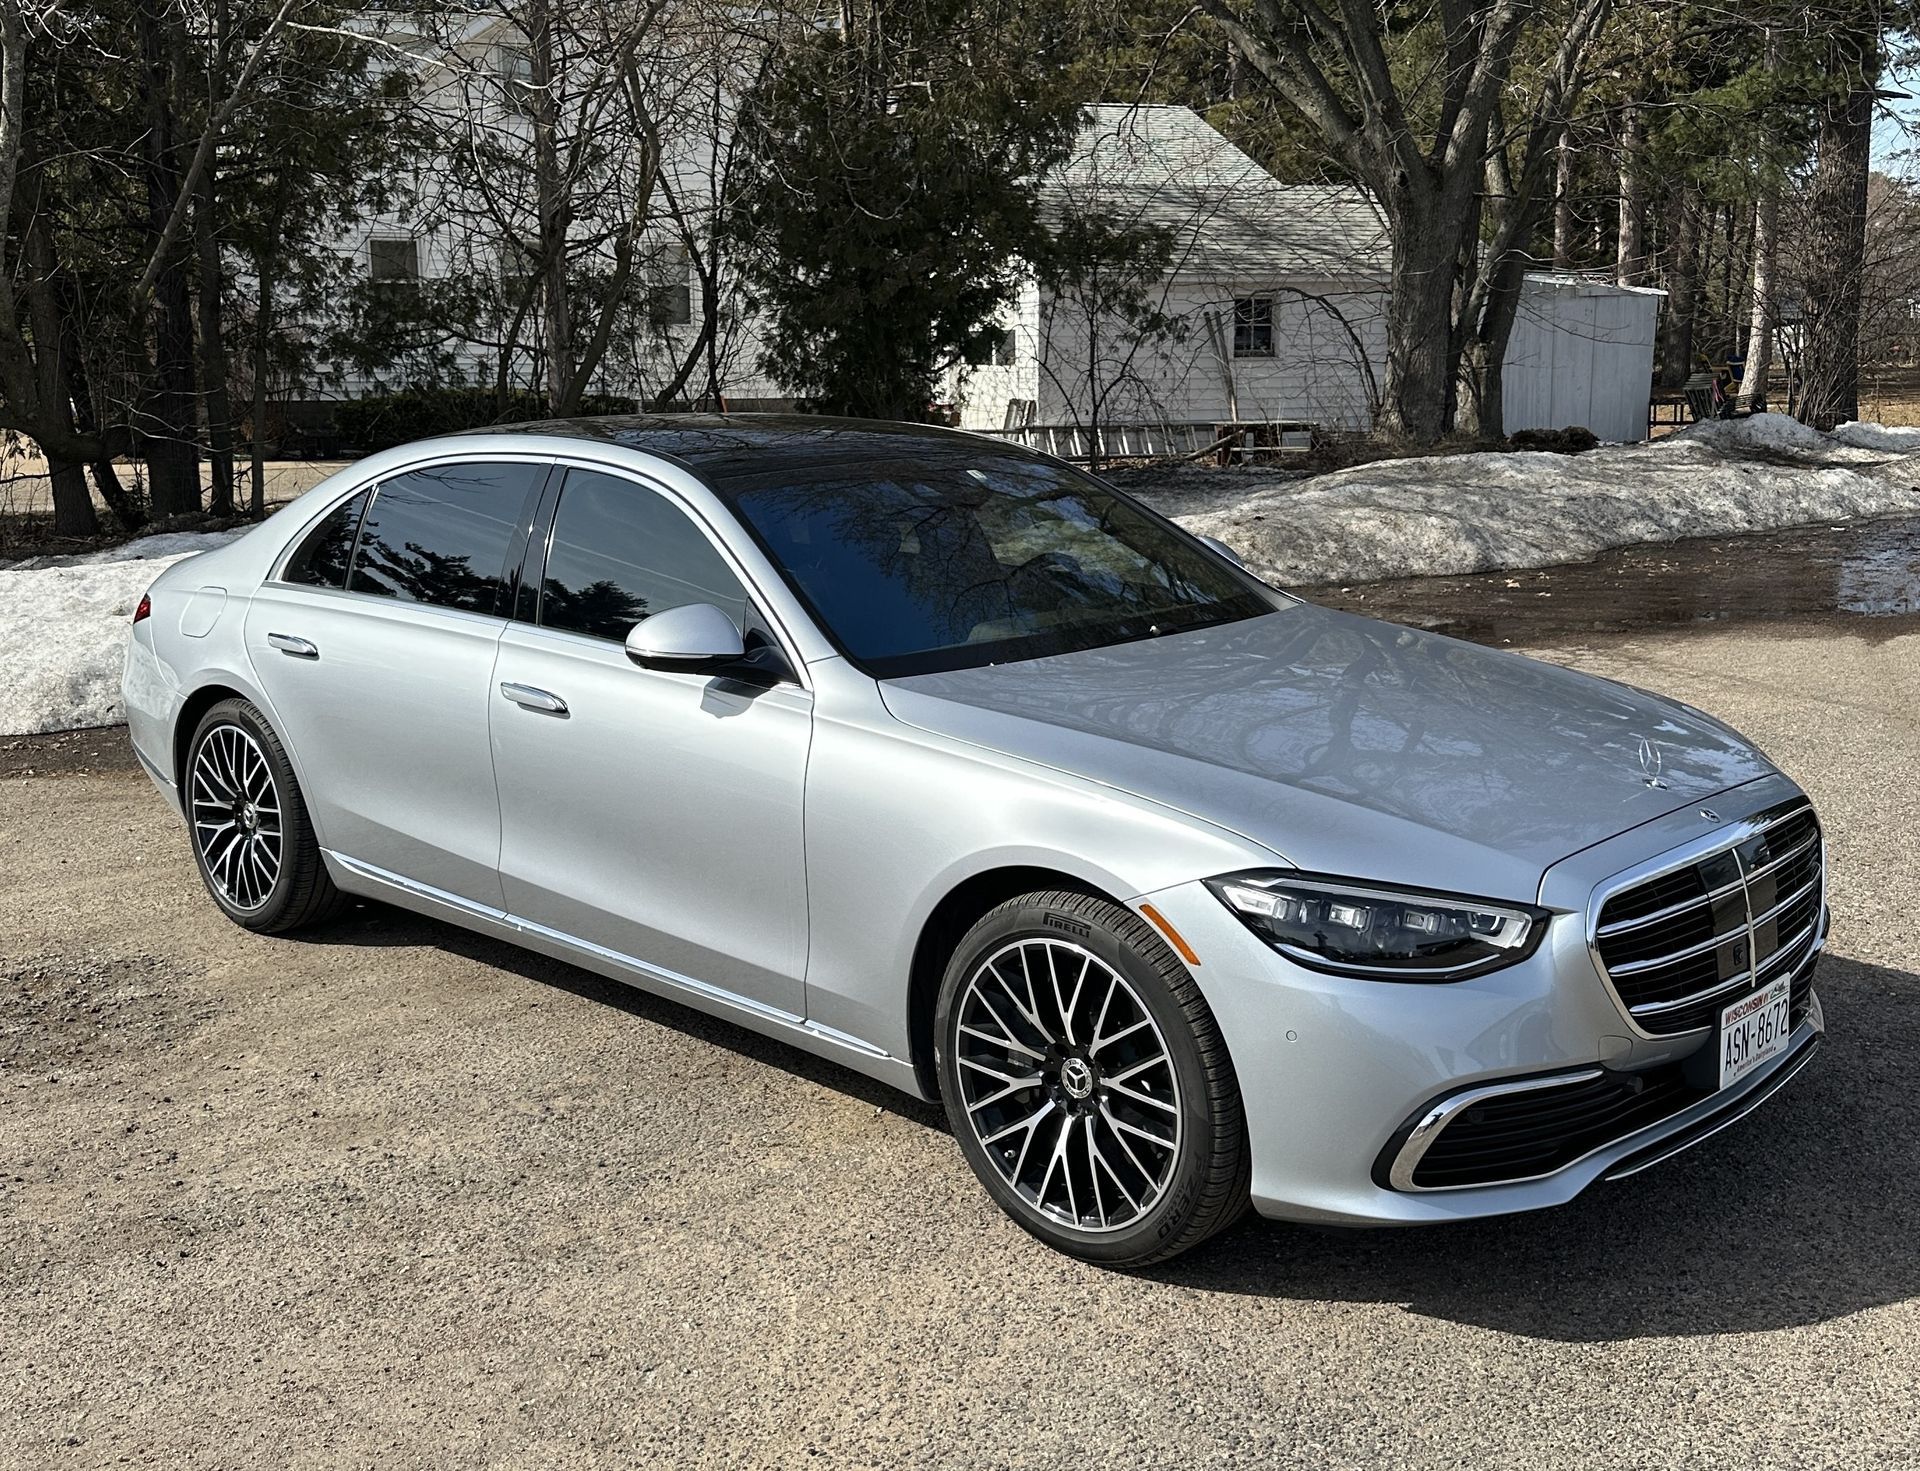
1753	1029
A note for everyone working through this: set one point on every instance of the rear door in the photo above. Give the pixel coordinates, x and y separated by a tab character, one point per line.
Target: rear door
653	814
375	646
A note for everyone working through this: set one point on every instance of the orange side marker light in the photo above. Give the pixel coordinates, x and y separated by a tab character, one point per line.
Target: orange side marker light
1159	922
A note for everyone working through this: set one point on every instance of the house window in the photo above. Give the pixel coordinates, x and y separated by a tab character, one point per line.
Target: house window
671	304
519	259
995	351
393	258
514	67
1253	326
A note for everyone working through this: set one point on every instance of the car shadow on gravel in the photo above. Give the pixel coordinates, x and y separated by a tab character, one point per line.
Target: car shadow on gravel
370	923
1800	1214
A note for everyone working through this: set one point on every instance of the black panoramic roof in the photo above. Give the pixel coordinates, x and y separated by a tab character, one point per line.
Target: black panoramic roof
722	447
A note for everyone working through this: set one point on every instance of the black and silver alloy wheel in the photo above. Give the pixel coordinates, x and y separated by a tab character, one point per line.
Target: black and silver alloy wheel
252	839
1067	1083
1087	1082
235	811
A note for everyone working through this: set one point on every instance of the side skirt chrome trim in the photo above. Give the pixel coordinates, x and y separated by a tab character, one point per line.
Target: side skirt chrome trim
767	1018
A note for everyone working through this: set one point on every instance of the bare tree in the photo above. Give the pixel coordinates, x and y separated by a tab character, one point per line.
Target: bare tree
1334	66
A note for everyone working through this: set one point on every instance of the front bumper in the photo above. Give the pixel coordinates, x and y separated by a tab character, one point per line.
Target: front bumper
1338	1075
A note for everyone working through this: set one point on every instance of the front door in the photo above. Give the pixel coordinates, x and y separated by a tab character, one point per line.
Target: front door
375	647
656	815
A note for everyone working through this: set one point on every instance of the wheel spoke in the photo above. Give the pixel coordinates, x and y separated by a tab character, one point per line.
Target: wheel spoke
1100	1044
1135	1069
1120	1125
1147	1099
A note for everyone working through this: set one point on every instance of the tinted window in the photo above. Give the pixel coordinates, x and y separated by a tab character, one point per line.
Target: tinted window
620	552
914	567
441	536
322	558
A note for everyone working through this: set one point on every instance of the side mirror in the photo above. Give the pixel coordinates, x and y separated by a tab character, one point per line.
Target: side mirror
687	637
1226	551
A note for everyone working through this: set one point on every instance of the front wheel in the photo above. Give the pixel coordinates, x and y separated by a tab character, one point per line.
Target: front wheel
1087	1082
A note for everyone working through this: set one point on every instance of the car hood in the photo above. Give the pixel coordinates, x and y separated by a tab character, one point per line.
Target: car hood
1351	746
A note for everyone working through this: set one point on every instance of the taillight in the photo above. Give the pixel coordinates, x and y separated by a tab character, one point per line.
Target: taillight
145	610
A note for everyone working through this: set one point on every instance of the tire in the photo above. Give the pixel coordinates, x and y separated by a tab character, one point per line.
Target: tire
1063	1006
248	826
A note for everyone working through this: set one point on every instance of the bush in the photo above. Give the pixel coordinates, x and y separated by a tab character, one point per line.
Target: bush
381	421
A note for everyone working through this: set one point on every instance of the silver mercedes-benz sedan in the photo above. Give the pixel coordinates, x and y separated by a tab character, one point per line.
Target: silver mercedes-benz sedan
947	761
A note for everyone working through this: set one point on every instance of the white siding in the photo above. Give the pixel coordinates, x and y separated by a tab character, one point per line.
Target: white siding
1581	354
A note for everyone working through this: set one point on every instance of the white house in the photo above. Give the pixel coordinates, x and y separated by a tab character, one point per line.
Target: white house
1275	298
1269	314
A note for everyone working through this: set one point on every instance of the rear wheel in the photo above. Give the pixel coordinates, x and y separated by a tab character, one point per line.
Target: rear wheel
252	840
1087	1082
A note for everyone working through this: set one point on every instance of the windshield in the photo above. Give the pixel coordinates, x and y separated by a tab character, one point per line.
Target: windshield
914	567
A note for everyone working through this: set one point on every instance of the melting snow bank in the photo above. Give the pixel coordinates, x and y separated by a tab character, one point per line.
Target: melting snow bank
64	620
64	623
1452	514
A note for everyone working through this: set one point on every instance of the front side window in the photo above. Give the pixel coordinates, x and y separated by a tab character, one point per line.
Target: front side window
321	560
913	567
1253	327
441	535
621	553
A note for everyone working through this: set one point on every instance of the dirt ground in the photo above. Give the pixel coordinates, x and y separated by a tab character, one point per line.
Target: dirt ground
396	1195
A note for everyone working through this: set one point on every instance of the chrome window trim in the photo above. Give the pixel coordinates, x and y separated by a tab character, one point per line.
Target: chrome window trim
562	461
276	572
1722	839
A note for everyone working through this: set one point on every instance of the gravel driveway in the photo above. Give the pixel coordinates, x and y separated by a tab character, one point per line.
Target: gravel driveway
399	1195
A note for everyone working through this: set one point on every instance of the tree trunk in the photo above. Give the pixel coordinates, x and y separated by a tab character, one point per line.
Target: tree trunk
126	507
1838	231
1683	293
552	206
1759	354
212	280
1563	225
73	513
165	413
213	353
1630	267
1419	324
1483	407
262	367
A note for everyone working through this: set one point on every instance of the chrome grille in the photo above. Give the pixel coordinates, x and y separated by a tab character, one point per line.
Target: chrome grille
1679	945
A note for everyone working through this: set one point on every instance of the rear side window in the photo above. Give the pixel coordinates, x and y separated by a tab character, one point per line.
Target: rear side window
621	553
322	558
442	535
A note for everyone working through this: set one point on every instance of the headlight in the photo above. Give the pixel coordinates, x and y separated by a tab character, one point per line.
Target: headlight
1358	929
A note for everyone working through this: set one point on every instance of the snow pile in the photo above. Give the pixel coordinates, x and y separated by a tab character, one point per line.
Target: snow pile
64	623
1903	440
1453	514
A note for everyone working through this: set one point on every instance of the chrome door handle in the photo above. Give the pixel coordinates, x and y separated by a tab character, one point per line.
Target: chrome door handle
300	648
529	698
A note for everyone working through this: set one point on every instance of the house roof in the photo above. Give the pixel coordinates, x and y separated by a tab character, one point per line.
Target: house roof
1160	164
